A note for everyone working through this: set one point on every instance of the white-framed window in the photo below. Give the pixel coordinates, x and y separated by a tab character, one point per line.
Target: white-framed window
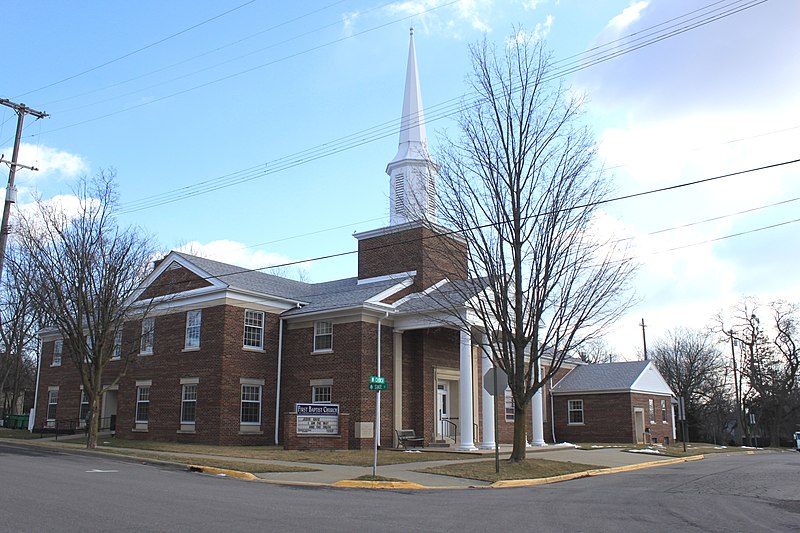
575	409
84	411
148	335
509	404
321	394
117	353
52	403
652	408
251	404
189	403
253	329
193	319
58	349
142	403
323	336
663	411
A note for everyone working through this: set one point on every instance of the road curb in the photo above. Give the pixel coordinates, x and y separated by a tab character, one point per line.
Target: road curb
512	483
222	472
355	484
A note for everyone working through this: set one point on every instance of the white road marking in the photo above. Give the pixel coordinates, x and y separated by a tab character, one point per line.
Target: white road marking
100	471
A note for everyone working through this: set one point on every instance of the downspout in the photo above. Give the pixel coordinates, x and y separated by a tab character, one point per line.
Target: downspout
552	412
378	398
32	417
278	386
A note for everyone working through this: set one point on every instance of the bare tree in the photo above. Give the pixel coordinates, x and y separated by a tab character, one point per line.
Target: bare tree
596	351
769	361
691	364
20	321
86	272
519	184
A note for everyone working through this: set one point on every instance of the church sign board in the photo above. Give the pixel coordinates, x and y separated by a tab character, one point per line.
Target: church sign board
317	418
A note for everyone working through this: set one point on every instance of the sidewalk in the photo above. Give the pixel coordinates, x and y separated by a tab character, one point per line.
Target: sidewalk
328	474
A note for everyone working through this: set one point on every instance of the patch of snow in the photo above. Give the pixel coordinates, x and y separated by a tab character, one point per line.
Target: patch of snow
412	451
651	451
720	447
221	475
568	444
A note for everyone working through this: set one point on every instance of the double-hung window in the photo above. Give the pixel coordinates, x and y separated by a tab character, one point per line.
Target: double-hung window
142	404
58	349
148	335
652	408
253	329
117	353
193	319
52	403
189	403
575	408
84	412
509	405
663	411
251	404
323	336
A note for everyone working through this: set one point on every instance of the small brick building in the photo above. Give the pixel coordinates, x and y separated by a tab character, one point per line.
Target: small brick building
614	402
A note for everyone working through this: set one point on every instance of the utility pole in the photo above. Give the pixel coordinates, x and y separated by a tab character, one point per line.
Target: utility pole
11	190
644	340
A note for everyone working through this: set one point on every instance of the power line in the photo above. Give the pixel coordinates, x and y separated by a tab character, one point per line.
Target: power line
381	131
579	206
138	50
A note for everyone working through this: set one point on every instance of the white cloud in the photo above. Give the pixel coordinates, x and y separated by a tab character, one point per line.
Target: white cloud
349	20
540	31
239	254
448	20
51	163
628	16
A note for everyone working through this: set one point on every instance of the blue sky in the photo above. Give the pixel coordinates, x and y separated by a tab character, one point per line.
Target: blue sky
176	94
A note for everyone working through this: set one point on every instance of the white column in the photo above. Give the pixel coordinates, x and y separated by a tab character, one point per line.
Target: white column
487	403
465	417
537	418
397	381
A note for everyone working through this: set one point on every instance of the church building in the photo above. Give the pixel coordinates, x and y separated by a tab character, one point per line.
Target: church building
233	356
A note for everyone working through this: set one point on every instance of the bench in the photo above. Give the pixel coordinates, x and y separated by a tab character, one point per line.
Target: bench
409	436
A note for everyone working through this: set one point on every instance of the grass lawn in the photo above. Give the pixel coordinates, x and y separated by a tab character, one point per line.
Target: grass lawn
275	453
242	466
7	433
528	469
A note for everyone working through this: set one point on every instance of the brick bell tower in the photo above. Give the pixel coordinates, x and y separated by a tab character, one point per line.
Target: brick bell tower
413	241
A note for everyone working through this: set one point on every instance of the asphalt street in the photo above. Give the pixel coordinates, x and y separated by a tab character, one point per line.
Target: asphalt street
55	490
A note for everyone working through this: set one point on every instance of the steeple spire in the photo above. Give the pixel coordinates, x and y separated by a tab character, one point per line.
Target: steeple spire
412	181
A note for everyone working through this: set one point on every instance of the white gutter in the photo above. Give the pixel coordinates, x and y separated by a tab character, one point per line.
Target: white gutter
32	415
278	387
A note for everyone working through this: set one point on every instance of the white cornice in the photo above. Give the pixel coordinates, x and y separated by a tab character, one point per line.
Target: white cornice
388	230
399	275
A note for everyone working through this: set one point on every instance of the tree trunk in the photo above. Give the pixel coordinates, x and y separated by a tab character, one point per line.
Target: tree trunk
775	434
520	434
94	422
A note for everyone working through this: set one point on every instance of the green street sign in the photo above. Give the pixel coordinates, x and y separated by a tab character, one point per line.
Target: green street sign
377	379
378	386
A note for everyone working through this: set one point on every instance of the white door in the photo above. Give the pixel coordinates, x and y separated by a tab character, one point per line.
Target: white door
638	422
444	428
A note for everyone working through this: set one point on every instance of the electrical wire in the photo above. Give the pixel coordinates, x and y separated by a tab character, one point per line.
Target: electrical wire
579	206
138	50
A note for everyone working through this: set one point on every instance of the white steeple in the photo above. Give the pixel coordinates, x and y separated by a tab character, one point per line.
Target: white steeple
412	175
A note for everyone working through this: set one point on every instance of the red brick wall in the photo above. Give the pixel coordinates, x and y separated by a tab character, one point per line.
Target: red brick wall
610	418
218	364
174	281
349	365
433	257
658	430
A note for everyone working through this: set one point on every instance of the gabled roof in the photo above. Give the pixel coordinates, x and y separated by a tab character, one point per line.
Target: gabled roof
237	277
312	297
630	376
441	297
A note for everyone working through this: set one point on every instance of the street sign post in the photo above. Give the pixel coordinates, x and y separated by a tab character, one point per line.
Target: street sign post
377	379
378	386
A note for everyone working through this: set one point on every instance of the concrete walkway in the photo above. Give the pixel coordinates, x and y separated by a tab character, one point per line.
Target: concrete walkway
327	474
